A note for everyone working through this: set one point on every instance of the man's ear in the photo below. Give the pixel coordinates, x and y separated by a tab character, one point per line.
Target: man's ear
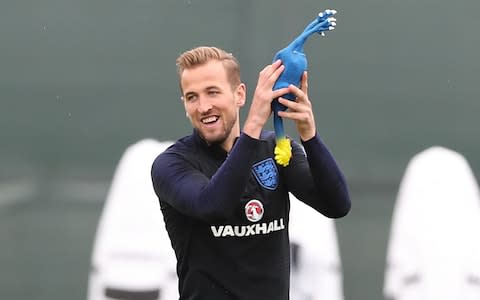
241	94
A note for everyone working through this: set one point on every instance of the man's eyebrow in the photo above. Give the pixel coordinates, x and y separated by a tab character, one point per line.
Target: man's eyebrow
212	87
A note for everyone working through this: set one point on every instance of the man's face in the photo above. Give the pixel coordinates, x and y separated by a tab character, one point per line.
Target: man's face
212	105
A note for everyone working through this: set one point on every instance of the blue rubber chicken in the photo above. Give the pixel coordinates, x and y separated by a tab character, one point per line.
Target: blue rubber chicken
295	62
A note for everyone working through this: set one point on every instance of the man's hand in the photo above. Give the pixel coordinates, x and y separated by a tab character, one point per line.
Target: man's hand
260	108
300	111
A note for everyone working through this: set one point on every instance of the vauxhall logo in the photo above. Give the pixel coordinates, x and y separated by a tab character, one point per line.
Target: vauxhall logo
254	212
247	230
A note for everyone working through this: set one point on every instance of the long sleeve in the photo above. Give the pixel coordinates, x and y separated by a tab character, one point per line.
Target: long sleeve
177	182
315	178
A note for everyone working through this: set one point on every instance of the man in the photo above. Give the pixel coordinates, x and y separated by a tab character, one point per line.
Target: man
224	200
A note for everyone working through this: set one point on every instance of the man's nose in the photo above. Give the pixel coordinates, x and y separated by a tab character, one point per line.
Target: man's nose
204	105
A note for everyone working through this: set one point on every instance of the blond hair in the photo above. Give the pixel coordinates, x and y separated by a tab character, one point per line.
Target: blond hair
202	55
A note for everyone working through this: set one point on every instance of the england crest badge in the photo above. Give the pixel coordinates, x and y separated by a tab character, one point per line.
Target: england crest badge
266	173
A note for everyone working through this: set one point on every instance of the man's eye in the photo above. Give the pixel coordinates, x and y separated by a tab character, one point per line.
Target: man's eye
213	93
191	98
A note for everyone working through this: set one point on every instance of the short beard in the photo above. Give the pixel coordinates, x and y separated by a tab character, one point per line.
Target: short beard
223	138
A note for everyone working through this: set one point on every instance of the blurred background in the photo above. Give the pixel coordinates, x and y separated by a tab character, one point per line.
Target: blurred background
82	80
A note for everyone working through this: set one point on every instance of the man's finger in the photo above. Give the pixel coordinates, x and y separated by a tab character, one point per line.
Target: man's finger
292	105
280	92
304	83
299	93
277	71
273	66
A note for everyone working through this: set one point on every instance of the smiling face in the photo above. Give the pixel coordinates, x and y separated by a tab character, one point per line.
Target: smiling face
211	102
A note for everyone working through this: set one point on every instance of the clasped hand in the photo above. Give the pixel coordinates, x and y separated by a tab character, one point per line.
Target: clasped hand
300	111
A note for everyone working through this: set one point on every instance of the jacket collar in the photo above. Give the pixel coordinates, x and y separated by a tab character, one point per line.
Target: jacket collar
214	149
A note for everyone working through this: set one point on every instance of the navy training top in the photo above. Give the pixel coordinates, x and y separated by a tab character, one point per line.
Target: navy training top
227	213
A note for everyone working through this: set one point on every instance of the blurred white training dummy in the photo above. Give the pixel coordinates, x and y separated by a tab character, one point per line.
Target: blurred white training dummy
316	269
434	247
132	256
